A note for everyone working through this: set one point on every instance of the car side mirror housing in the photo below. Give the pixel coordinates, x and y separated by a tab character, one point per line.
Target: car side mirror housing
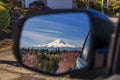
62	41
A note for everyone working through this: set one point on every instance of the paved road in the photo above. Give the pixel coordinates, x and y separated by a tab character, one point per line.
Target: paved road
11	70
8	68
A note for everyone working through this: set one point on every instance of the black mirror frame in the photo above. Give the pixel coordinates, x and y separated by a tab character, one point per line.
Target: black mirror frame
19	29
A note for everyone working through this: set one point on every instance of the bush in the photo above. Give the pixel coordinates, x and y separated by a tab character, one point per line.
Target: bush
4	18
81	3
6	6
116	8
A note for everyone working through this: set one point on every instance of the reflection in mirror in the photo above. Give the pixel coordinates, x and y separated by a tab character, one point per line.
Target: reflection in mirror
52	43
82	60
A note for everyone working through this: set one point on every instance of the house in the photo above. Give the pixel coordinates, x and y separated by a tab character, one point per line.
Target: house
54	4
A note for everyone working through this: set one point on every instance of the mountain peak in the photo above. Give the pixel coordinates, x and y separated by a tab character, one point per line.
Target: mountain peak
58	43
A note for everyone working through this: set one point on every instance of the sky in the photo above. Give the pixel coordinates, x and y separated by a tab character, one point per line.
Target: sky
69	27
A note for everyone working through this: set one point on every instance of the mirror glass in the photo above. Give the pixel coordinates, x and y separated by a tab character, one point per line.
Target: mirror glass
53	42
82	60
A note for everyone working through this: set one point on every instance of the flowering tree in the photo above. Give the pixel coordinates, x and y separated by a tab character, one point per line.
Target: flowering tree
30	60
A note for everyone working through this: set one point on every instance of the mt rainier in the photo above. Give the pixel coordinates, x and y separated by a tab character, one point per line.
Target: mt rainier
57	43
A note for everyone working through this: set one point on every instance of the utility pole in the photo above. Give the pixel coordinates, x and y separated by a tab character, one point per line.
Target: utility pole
108	5
102	6
88	4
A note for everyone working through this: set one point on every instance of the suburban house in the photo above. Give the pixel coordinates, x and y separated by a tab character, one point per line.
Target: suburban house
54	4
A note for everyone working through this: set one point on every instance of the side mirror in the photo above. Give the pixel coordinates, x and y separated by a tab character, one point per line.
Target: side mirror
58	43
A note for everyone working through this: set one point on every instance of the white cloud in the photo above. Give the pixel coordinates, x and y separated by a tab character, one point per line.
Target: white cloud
40	39
50	23
51	31
37	37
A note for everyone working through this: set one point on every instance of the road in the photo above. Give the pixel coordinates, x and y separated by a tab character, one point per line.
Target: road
11	70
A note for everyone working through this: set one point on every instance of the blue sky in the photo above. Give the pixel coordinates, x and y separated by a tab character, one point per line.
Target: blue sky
69	27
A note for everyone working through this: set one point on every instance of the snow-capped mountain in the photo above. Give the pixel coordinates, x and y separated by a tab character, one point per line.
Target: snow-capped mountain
58	43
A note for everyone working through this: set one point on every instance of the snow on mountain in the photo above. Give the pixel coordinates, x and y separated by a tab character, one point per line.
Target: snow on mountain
58	43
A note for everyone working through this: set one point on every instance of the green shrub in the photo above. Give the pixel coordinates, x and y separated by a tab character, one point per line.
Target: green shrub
81	4
6	6
4	18
116	7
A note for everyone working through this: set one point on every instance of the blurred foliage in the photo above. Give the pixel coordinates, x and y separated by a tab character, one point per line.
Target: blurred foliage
92	4
4	17
10	3
114	5
6	6
97	5
27	11
81	3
